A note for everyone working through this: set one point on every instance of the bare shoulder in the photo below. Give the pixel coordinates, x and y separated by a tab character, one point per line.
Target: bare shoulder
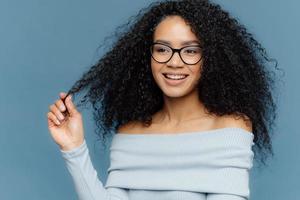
130	127
236	121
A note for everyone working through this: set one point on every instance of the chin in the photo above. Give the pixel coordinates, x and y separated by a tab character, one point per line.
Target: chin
178	92
174	92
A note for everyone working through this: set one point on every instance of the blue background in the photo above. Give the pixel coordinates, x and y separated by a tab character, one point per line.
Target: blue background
46	45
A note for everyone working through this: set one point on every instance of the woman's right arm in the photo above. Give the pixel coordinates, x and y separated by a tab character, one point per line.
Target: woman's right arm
87	184
67	131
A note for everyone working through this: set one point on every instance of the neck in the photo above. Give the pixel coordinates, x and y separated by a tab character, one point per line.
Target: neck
181	109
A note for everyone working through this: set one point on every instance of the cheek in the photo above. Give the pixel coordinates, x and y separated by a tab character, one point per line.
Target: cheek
195	70
155	67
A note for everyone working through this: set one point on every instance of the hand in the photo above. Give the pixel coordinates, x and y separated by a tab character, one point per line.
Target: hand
66	129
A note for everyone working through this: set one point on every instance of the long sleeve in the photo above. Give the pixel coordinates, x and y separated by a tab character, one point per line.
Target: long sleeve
87	184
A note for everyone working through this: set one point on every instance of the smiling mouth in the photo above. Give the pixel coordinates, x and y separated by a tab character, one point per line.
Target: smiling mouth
175	76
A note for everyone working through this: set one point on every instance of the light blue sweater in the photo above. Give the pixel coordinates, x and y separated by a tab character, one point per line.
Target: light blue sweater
203	165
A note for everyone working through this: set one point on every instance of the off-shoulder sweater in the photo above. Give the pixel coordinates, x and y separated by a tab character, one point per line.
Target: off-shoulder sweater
200	165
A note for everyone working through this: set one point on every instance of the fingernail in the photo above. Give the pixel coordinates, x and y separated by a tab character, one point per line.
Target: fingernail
61	117
62	108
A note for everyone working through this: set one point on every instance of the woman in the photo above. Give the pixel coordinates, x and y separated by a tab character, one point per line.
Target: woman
189	92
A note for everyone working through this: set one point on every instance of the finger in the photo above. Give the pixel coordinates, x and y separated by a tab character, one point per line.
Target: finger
50	122
70	106
53	118
54	109
60	104
62	95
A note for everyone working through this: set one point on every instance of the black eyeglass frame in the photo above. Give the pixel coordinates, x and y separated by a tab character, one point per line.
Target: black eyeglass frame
174	51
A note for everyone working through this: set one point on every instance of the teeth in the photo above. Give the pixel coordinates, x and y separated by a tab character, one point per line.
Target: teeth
175	76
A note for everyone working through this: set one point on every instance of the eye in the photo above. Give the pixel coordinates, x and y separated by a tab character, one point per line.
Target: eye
161	49
191	50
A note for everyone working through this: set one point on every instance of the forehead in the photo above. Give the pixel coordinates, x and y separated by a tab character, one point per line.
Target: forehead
175	30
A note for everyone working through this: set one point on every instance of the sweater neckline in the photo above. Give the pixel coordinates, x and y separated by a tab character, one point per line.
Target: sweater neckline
186	133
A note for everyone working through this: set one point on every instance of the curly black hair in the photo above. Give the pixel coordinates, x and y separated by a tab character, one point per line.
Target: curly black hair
235	78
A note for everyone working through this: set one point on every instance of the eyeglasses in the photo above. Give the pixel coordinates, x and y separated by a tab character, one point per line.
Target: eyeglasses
189	55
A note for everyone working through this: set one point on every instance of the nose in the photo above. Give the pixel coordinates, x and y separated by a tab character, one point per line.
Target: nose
175	60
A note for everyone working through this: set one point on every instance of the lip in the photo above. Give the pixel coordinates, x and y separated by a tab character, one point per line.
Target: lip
174	82
175	73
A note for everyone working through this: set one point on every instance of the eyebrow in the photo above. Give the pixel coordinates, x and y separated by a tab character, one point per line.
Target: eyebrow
183	43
